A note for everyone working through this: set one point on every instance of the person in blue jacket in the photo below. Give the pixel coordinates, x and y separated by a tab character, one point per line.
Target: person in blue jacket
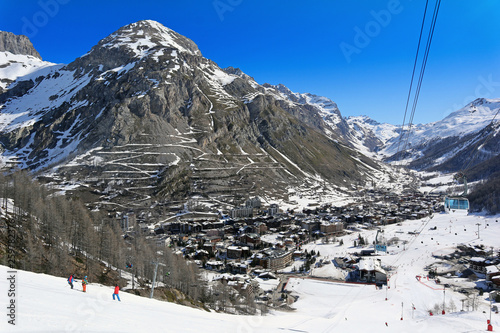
84	284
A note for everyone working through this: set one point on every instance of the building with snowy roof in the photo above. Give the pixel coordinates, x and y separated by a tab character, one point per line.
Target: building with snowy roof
275	259
332	228
491	272
371	270
478	264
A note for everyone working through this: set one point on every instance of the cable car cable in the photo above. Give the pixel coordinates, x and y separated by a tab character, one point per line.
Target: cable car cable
422	70
412	77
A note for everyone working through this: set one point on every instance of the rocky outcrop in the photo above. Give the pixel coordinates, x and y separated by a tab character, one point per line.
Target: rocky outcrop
17	44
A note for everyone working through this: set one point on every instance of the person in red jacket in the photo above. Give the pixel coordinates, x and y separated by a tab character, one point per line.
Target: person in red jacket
117	290
70	281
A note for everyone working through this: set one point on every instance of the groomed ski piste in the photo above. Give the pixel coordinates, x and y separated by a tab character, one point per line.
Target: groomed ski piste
46	304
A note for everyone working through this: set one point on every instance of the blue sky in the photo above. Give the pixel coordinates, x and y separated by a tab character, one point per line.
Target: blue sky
358	53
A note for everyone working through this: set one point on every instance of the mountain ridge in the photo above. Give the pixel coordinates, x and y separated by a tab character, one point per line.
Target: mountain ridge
144	106
143	115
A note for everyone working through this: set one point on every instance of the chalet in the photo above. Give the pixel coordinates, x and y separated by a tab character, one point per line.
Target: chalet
209	247
491	272
274	223
344	262
469	274
206	225
496	281
310	225
237	252
214	232
251	240
371	271
238	268
478	264
348	218
212	239
267	275
214	265
163	241
339	263
259	228
200	255
238	282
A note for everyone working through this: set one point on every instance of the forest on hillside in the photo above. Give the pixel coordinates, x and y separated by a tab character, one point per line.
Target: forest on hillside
43	232
486	195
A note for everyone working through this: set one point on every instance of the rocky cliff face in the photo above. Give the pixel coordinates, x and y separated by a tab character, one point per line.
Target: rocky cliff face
17	44
144	115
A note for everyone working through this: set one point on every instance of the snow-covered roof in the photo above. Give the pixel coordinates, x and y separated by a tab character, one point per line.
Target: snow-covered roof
477	259
492	269
366	265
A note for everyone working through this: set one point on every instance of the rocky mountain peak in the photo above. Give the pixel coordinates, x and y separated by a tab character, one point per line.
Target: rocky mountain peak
145	85
363	118
142	37
17	44
325	105
234	71
485	101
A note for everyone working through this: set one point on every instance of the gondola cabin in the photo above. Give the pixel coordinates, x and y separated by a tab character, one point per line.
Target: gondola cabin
456	205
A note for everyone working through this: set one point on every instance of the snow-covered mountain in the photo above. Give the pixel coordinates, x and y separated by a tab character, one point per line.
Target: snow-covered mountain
369	135
364	138
442	145
326	107
470	119
383	131
145	106
18	59
466	137
18	66
147	86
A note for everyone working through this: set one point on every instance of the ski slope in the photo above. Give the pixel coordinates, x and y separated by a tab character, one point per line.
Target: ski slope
47	304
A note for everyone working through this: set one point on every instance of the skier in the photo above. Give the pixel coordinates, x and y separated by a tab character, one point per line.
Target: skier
84	284
117	289
70	280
